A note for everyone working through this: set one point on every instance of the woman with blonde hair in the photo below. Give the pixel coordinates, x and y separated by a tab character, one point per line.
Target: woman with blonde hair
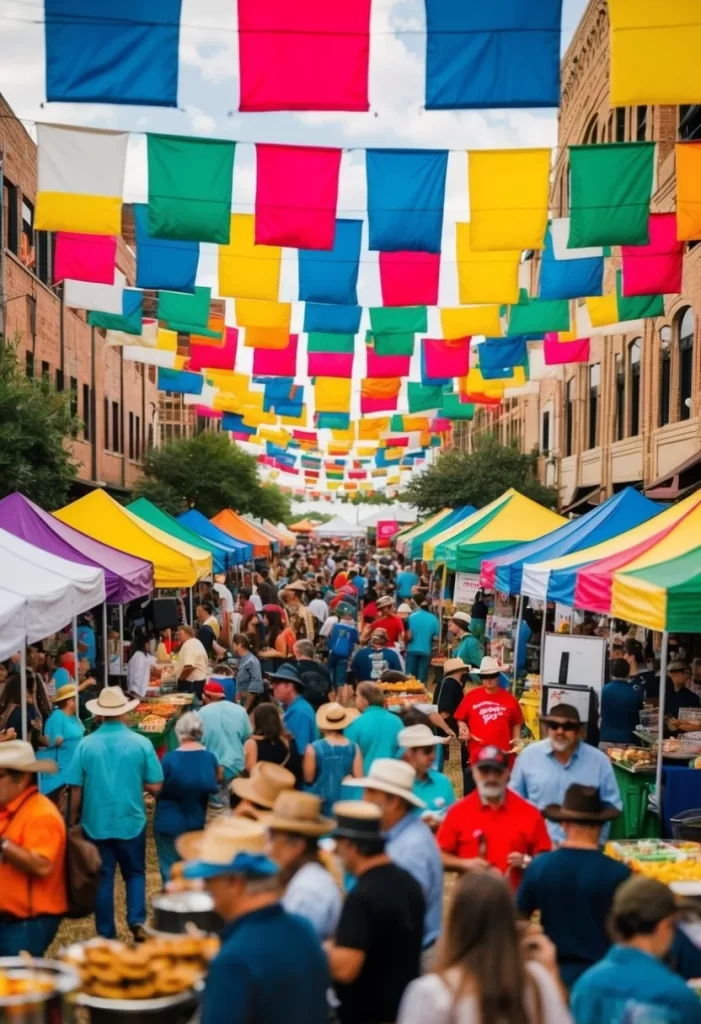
488	971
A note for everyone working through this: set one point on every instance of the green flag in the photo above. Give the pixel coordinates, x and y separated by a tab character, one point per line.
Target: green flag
611	188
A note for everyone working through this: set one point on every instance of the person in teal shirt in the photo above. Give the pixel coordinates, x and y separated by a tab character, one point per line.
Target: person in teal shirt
112	767
424	628
64	731
469	648
418	745
376	729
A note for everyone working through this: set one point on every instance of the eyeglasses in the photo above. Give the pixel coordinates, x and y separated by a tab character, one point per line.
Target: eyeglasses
556	725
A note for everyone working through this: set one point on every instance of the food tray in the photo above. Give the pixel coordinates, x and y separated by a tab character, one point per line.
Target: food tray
654	850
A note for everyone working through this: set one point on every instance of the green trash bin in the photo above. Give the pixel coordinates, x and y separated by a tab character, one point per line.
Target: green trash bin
636	822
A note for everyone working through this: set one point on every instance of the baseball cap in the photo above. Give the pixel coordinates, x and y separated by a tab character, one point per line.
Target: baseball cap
491	757
650	900
214	689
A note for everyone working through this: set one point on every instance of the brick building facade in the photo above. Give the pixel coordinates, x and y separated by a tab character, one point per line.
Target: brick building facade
117	401
633	414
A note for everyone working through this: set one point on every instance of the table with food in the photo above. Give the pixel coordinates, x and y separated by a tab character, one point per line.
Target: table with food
404	694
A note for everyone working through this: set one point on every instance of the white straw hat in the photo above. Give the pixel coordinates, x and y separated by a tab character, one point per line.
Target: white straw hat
111	703
490	667
389	776
419	736
18	756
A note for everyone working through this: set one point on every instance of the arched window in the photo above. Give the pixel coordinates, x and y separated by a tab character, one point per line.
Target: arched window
685	343
665	374
634	353
620	398
591	135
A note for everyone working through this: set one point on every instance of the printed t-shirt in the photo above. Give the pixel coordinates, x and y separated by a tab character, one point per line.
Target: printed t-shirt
490	717
393	625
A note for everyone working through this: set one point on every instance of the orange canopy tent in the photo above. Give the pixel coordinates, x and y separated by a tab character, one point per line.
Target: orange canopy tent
305	526
236	526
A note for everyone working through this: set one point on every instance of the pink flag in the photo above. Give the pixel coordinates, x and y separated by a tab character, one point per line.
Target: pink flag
296	196
307	55
409	278
357	474
559	352
446	358
439	425
85	257
654	269
271	362
215	357
368	405
305	435
386	529
386	366
207	413
330	364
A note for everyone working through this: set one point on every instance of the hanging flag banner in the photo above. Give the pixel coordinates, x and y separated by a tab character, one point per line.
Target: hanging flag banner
85	257
248	270
446	359
296	196
332	277
654	269
610	190
509	193
80	180
310	55
327	319
406	197
536	316
277	362
106	298
386	366
162	262
485	277
185	313
423	397
215	357
129	319
462	322
391	344
407	320
558	352
688	165
569	278
408	278
386	529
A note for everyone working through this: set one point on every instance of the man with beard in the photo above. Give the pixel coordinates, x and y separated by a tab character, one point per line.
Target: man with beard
493	827
544	770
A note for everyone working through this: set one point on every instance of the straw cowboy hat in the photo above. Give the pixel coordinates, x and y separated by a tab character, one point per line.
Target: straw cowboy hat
18	756
65	692
266	783
404	609
335	716
357	819
389	776
228	846
582	804
299	813
384	602
461	617
419	736
298	586
111	703
453	665
491	667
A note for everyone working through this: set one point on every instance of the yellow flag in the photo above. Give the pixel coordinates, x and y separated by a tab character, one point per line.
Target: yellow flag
509	192
485	277
247	270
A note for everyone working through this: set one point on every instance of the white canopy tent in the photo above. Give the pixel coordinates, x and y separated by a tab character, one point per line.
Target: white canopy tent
338	527
400	514
13	624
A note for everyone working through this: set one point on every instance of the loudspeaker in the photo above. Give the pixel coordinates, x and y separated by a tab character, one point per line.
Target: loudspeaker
164	613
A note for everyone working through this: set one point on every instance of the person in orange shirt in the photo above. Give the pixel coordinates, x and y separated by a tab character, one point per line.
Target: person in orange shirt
32	854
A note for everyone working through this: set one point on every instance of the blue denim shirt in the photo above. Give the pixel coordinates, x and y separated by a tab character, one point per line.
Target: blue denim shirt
541	778
412	846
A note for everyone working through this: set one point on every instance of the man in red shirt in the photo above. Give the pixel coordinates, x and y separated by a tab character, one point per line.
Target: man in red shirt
390	622
488	715
493	827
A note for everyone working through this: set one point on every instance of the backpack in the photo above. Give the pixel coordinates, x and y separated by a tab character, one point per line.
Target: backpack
342	645
316	685
83	865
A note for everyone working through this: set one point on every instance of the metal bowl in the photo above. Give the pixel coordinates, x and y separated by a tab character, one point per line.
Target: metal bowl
175	1009
174	911
43	1007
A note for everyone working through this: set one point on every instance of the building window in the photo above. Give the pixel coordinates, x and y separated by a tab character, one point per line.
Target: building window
690	122
665	375
634	379
131	435
137	438
115	427
620	399
545	446
43	243
45	369
26	253
87	412
59	380
641	124
594	380
29	363
620	124
106	423
685	327
569	415
9	216
74	396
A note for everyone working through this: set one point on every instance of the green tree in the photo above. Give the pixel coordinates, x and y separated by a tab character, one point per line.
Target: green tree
36	424
476	478
209	473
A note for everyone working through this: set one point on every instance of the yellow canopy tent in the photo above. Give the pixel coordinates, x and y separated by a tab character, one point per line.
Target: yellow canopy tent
175	563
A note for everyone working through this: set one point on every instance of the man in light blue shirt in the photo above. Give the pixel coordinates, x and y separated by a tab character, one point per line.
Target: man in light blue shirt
406	580
226	729
543	771
423	628
298	714
376	729
433	788
410	842
112	767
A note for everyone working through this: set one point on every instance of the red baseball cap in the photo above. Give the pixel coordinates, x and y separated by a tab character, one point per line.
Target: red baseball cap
214	689
491	757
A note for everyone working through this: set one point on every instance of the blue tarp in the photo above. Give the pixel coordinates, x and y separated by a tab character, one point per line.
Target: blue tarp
569	279
504	53
622	512
240	552
327	319
163	263
332	277
180	382
406	196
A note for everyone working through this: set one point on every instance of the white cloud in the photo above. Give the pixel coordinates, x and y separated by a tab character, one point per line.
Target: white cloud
202	124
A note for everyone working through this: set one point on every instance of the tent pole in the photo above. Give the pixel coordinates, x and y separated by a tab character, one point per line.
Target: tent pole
660	728
519	617
444	578
105	648
542	640
192	616
23	687
76	673
121	639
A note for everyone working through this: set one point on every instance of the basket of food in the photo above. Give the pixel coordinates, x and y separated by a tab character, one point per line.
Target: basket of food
633	759
36	991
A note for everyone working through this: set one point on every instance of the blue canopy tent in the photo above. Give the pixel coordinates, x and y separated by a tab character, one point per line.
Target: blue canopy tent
238	551
622	512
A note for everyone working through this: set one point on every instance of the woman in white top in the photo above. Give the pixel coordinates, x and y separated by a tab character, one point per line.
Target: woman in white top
139	667
295	825
487	972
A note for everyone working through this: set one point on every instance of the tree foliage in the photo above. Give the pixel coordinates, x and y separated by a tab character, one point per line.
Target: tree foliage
476	478
209	473
36	424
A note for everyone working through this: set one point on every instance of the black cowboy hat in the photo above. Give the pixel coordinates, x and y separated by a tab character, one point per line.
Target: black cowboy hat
582	804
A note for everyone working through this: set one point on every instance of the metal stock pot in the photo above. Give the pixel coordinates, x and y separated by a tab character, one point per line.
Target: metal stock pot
54	1006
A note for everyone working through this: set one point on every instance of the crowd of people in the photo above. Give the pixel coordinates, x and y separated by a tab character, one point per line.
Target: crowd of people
323	824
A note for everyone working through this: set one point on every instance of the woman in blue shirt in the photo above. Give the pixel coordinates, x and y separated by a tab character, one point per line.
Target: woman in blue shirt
63	730
190	777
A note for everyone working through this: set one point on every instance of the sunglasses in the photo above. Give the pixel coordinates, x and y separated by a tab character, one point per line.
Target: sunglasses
425	750
555	725
489	769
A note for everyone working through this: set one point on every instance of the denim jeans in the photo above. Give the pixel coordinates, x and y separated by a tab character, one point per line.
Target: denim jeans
35	934
338	668
167	854
130	855
417	665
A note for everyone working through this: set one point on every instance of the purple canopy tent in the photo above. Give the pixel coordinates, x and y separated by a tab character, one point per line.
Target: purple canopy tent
126	577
